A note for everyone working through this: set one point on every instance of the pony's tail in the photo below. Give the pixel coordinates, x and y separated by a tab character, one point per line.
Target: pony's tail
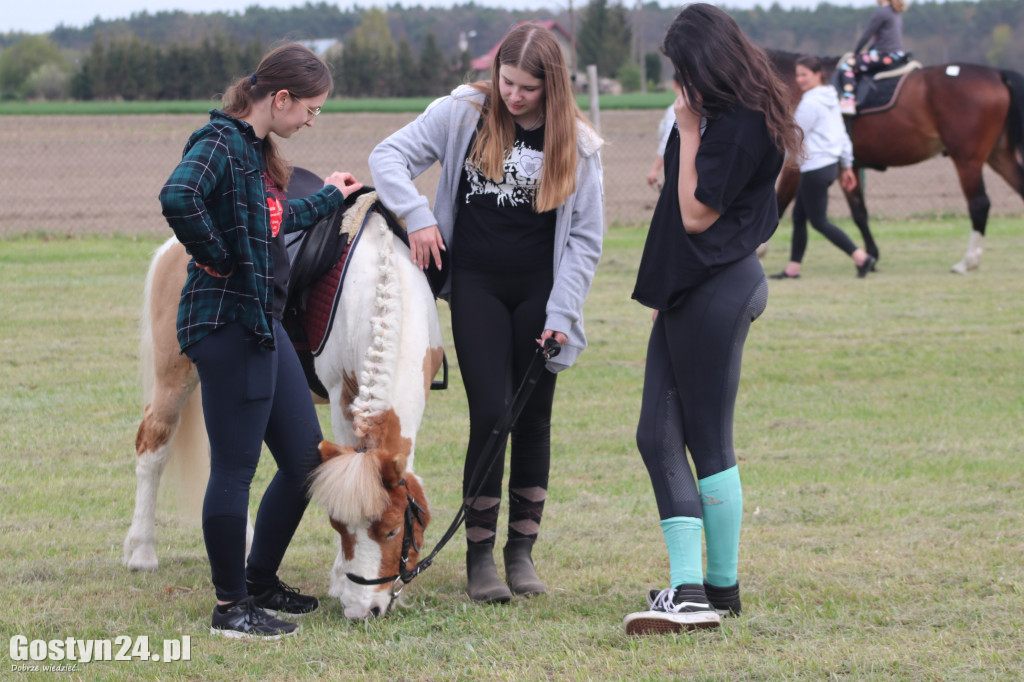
376	378
188	468
1015	117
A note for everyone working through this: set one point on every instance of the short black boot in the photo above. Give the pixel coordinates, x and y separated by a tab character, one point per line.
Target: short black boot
484	585
519	570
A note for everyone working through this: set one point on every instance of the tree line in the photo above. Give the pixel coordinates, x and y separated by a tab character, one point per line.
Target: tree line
425	51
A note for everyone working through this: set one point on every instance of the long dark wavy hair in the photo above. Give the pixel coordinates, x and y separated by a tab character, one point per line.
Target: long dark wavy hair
291	67
721	70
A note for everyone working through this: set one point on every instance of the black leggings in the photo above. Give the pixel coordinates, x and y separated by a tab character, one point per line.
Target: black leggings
691	381
496	319
253	395
812	203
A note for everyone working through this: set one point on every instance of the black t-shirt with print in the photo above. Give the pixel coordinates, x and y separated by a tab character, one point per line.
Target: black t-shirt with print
496	226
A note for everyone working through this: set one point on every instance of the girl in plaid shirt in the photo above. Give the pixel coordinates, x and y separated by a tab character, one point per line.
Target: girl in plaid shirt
226	205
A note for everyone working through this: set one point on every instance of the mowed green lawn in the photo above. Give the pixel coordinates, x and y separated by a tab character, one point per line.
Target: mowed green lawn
879	431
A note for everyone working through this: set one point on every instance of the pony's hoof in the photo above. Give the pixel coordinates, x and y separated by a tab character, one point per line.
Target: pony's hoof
959	269
139	558
136	563
762	250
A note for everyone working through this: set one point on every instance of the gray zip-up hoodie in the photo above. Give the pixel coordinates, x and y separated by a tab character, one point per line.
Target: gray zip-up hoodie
442	133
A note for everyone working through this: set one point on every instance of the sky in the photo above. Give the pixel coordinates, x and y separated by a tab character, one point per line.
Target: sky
41	16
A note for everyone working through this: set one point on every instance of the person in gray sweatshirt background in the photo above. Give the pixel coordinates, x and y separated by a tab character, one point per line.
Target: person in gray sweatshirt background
827	147
519	212
884	38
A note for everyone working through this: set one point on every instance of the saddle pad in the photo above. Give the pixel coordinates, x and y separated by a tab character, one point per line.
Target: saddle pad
882	95
321	299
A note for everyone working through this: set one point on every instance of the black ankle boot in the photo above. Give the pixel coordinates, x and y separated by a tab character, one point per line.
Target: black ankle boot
519	570
482	576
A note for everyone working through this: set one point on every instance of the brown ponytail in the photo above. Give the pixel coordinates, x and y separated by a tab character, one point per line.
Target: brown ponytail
291	67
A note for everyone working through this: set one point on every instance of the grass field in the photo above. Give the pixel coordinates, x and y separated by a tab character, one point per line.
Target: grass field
879	431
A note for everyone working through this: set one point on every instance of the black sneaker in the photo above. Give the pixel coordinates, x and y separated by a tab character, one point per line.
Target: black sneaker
246	619
282	598
867	266
726	600
673	610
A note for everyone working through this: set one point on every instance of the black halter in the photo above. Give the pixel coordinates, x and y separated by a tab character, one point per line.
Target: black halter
413	511
413	514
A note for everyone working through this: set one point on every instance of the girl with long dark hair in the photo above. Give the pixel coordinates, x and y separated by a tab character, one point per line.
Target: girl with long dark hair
700	272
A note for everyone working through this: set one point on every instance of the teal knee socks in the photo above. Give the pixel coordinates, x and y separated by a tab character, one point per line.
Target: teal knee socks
722	500
682	537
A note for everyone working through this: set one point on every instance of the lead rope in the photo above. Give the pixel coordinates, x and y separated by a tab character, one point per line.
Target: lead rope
549	350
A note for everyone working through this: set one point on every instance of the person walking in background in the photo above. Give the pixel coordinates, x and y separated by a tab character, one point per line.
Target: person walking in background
664	128
519	210
884	38
827	147
701	274
226	205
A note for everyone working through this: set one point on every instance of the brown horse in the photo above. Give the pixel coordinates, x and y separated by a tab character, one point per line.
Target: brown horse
973	114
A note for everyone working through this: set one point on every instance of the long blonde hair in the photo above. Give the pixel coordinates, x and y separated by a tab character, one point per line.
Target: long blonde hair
534	50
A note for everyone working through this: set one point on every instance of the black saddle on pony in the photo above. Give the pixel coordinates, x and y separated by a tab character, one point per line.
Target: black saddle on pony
317	272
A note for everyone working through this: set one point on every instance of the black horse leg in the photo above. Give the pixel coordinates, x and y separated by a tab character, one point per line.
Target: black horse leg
978	208
978	205
859	213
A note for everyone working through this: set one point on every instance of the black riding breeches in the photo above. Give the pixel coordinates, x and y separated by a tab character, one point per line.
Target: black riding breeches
253	395
812	204
691	381
496	319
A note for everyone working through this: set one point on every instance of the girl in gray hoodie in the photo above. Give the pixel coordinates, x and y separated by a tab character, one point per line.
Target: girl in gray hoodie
518	210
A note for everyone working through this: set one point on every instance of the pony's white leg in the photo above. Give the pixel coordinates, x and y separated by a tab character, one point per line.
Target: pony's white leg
139	544
972	258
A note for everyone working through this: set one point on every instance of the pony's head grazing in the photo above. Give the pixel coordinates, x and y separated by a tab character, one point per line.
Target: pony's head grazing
366	495
386	326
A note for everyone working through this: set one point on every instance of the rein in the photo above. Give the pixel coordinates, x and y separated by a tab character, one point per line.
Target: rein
414	512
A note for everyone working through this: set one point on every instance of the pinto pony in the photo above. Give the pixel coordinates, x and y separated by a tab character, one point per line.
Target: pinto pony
973	114
377	362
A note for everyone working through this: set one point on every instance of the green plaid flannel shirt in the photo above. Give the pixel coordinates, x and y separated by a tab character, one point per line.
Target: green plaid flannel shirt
216	202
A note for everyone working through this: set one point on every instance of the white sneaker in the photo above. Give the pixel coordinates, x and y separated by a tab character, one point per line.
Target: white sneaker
847	106
673	610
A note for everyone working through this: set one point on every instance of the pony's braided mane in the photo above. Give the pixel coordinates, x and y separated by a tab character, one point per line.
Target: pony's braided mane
376	379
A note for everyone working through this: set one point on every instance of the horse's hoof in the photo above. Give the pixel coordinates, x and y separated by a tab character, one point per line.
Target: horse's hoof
140	559
964	267
762	250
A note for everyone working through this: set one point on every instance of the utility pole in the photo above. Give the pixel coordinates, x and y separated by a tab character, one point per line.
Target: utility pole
638	43
572	40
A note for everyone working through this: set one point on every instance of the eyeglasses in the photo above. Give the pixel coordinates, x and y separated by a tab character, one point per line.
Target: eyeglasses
313	113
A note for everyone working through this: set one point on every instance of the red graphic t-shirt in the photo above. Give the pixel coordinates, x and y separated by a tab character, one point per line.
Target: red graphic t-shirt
275	202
